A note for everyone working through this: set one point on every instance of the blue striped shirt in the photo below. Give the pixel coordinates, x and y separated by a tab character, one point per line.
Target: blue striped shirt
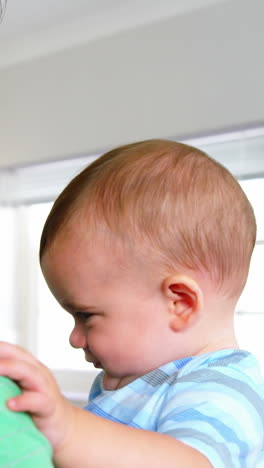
212	402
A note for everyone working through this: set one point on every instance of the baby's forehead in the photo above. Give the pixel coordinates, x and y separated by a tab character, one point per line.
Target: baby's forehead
88	245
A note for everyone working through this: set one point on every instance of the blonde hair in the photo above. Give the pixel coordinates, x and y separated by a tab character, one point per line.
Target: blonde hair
181	206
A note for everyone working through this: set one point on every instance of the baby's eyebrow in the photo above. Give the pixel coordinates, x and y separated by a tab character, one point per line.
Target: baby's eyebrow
72	307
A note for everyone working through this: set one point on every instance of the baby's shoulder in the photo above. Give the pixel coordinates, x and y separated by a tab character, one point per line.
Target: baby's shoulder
216	400
226	374
240	363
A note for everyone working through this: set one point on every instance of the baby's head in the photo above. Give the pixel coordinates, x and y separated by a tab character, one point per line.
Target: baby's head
159	210
167	203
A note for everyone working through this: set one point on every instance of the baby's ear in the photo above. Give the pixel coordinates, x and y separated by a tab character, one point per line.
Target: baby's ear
185	301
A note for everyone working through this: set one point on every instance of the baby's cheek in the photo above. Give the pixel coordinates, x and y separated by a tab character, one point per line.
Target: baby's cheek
116	349
100	343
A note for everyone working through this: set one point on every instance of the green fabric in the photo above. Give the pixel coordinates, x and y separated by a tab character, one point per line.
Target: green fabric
21	444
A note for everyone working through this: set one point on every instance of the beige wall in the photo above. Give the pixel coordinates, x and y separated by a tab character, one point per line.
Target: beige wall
192	74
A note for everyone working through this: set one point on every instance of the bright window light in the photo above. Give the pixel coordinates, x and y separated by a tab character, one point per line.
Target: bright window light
54	324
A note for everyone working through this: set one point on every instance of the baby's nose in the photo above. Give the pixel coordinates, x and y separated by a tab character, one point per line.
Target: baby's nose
77	338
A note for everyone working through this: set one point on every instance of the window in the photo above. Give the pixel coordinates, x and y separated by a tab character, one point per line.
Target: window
53	323
7	255
250	309
33	318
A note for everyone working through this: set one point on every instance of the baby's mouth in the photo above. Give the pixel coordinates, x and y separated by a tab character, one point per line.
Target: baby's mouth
89	357
97	365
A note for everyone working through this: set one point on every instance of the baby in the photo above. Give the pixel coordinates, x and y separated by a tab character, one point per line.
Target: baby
148	249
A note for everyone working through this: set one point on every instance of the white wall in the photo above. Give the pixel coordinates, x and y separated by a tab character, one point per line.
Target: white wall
191	74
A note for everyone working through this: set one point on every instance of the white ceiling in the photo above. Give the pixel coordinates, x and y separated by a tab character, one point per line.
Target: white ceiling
31	28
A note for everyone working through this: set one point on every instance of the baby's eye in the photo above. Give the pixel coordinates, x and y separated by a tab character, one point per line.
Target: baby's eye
82	316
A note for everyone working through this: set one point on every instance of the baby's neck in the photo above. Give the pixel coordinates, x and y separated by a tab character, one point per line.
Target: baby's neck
222	343
114	383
